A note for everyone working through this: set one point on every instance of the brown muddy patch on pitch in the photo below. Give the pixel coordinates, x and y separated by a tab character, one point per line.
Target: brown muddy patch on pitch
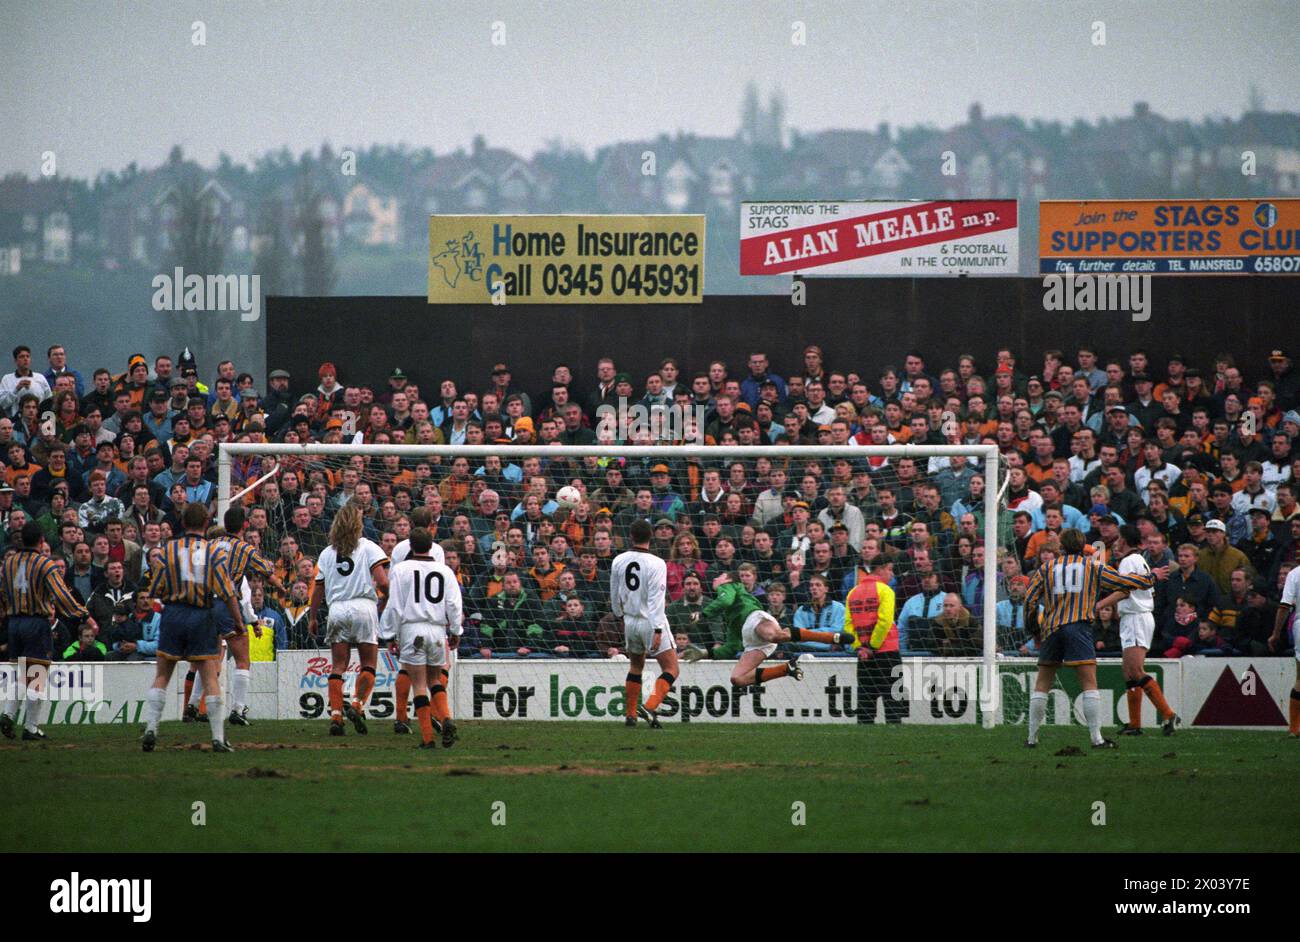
584	769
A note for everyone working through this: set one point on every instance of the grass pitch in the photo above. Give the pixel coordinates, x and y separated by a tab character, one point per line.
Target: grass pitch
601	787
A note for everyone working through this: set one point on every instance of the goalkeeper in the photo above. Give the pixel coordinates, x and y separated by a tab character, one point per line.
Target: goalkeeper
752	635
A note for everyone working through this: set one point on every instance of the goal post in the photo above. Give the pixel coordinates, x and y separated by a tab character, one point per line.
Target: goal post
264	462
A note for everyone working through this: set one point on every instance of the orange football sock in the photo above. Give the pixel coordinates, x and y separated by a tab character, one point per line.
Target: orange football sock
764	674
441	710
403	693
1295	712
422	714
824	637
365	684
1157	696
1134	696
632	693
663	684
336	696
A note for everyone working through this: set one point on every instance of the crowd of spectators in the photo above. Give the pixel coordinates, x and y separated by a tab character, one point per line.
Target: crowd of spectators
1205	464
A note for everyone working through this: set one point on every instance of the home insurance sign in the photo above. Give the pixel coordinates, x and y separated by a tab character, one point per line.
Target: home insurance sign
909	239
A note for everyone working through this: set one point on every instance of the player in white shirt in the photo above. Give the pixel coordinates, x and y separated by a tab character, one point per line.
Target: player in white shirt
351	575
1137	625
1287	608
420	517
638	583
425	611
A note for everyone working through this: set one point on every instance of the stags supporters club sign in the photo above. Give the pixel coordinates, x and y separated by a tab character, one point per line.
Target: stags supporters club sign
1218	237
566	259
920	239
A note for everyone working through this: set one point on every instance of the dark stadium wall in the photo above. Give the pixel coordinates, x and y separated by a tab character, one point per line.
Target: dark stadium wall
860	323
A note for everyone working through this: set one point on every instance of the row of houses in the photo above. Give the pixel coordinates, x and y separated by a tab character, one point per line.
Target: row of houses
131	219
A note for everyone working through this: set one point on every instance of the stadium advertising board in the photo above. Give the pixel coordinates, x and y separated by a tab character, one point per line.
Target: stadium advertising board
938	692
83	693
1241	693
876	237
1220	237
1236	691
303	683
566	259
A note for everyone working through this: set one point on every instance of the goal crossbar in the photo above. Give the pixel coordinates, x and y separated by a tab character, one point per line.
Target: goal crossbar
990	695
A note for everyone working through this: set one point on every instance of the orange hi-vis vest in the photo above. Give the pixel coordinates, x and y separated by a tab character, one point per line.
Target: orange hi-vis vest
869	614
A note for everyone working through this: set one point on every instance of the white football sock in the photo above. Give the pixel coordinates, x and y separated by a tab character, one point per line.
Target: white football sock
1037	713
35	710
196	692
239	690
216	718
1092	713
153	707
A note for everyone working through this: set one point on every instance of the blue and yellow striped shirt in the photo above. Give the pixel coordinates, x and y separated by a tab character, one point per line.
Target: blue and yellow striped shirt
242	558
193	572
30	585
1068	589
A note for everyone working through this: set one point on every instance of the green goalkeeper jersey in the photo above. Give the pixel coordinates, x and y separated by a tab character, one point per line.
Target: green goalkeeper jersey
735	605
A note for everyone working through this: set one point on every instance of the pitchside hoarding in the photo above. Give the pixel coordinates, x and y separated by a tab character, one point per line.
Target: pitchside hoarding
566	259
912	239
1220	237
1242	693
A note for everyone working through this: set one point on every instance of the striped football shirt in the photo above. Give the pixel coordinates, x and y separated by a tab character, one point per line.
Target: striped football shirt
192	573
1068	589
30	585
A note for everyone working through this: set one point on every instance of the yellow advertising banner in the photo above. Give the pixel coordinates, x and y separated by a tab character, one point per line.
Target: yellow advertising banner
566	259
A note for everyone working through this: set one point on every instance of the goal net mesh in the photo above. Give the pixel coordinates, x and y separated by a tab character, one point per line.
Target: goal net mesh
798	530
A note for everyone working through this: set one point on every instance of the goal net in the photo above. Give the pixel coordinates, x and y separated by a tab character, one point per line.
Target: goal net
798	526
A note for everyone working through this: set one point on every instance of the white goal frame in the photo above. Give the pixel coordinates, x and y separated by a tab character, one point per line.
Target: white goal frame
990	696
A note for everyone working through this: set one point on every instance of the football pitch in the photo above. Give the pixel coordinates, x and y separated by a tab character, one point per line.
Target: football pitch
512	786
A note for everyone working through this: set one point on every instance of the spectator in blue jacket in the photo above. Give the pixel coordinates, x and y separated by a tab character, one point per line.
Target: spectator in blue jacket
819	613
920	608
758	375
134	634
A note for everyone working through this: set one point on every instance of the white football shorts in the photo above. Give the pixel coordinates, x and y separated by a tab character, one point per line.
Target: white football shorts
353	621
1136	630
423	643
749	634
645	638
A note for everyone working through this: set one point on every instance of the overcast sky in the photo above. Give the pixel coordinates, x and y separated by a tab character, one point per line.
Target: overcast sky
104	83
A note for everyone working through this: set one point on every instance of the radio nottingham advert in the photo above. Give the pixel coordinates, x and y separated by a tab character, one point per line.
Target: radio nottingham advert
911	239
1185	237
566	259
